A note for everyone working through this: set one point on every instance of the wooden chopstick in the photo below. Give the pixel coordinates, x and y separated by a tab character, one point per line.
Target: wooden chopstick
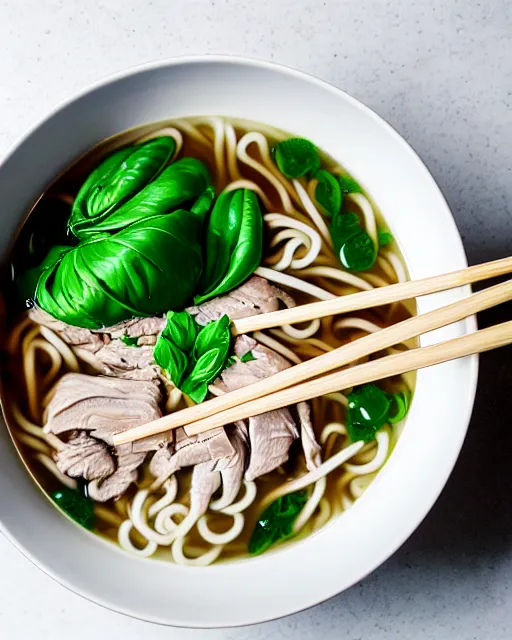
373	298
477	342
321	364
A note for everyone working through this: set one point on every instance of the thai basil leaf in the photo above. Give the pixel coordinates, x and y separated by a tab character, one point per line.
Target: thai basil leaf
352	243
193	356
203	204
119	177
296	157
172	359
181	329
276	523
177	184
130	341
76	506
150	266
26	284
328	193
234	243
247	357
368	411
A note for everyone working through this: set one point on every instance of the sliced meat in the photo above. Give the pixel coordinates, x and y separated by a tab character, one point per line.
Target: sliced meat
98	407
255	296
137	327
102	405
227	472
310	446
116	484
85	457
205	482
75	336
270	434
105	351
187	451
120	360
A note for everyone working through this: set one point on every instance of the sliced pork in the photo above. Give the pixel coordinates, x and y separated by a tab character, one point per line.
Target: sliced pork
187	451
105	350
255	296
90	410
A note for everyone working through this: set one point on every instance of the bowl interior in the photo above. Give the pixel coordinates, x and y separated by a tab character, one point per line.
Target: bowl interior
309	571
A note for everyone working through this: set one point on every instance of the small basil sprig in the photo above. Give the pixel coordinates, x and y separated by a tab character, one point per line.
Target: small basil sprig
352	243
143	270
276	523
234	243
370	408
193	356
119	177
179	183
76	506
385	237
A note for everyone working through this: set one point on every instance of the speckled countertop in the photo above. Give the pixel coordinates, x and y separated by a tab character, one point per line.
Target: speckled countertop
441	73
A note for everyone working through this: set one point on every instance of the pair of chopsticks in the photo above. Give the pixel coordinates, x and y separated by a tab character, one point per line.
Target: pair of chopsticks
302	381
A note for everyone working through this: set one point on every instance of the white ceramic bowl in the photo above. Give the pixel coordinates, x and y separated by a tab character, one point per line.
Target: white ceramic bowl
347	549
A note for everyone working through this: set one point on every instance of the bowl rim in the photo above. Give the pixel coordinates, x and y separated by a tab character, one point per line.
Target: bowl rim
470	323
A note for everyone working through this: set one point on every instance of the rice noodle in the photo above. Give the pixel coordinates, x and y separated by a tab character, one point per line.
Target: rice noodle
366	209
311	505
200	561
221	538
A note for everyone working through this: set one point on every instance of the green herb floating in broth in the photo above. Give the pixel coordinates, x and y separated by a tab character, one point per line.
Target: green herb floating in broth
276	523
349	185
352	243
296	157
193	356
385	237
130	341
328	193
76	506
181	182
247	357
150	266
234	243
370	408
117	178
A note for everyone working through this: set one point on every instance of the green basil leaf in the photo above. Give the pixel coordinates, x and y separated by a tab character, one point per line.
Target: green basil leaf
205	370
177	184
368	411
234	243
247	357
352	243
130	341
399	407
385	238
349	185
203	204
143	270
215	333
276	523
76	506
181	329
328	193
296	157
26	284
172	359
119	177
358	253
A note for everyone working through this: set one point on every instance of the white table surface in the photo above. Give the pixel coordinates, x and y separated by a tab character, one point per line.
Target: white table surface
439	71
